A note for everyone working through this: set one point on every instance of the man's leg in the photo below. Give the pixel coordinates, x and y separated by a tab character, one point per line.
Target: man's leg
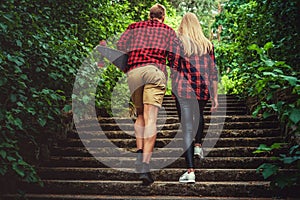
139	127
150	132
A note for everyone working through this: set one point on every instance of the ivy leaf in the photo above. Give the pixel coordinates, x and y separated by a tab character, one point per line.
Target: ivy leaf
291	79
267	170
18	170
268	46
295	116
42	121
3	154
86	99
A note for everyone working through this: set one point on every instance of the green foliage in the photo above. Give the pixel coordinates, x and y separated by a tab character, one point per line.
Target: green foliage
204	9
42	47
288	160
257	56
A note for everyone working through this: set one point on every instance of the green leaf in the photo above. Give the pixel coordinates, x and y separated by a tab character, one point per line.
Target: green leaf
293	148
267	170
18	170
42	121
19	43
269	63
295	116
3	154
292	80
86	99
3	81
277	145
67	108
268	46
262	148
3	170
10	158
266	114
269	74
289	160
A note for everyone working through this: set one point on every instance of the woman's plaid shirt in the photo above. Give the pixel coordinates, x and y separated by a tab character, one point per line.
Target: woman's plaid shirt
194	76
149	42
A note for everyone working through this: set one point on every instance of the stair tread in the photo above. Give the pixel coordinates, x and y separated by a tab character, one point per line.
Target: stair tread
117	197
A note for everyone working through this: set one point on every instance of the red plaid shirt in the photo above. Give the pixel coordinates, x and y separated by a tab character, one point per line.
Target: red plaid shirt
149	42
194	76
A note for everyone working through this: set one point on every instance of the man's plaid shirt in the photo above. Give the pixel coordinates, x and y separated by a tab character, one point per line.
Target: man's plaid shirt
194	76
149	42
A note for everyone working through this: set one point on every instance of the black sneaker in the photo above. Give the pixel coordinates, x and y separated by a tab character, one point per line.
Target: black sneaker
139	161
145	175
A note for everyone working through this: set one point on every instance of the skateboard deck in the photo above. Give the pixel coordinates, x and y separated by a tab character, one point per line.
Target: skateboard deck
116	57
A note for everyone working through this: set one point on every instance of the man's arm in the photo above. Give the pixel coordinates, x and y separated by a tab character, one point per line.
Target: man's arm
174	53
124	40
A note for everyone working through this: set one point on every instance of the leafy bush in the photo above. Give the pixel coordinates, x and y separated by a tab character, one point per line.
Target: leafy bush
287	160
257	53
42	46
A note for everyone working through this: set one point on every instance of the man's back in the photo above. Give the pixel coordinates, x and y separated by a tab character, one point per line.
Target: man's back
148	42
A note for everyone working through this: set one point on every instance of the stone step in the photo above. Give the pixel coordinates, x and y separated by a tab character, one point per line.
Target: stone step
173	119
117	162
176	142
220	97
170	188
206	112
253	133
175	126
105	151
207	108
126	197
60	173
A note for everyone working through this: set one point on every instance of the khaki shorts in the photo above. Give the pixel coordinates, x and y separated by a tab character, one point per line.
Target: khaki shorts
147	85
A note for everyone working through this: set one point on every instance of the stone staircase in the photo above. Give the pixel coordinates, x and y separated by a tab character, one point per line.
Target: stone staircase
96	161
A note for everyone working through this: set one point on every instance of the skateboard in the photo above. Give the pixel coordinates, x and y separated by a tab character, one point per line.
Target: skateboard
116	57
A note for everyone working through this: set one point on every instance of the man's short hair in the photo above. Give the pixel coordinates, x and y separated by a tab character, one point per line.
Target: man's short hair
157	11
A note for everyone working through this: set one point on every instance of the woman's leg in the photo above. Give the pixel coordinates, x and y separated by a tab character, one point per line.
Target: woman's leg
199	122
187	129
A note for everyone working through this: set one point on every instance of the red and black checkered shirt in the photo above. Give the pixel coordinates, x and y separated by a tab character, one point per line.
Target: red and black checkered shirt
194	76
149	42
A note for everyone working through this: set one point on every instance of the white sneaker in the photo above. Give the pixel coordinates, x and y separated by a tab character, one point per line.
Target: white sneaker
198	151
187	177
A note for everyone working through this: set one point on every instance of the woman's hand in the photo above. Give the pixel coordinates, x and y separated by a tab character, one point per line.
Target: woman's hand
214	104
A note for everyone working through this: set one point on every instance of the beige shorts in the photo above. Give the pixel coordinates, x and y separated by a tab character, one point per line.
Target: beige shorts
147	85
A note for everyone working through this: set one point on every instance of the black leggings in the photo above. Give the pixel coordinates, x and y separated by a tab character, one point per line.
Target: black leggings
190	114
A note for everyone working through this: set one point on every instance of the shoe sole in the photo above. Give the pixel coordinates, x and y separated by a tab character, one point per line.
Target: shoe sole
198	156
190	182
146	181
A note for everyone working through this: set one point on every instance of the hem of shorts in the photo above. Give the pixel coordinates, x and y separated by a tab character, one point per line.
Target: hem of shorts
154	104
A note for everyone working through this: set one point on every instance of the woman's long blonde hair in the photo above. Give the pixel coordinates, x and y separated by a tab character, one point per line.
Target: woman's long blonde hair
191	34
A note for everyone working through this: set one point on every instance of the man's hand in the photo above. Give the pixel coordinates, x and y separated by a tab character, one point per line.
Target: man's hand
101	63
102	43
